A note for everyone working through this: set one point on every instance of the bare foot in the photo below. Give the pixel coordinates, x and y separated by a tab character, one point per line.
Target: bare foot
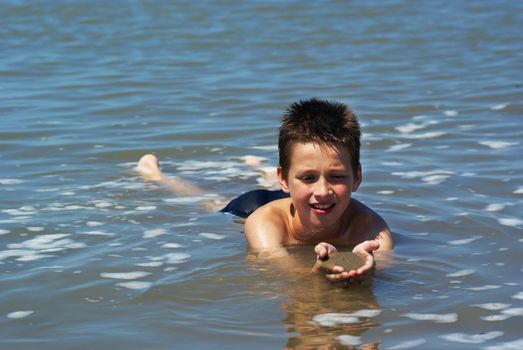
252	161
268	177
148	167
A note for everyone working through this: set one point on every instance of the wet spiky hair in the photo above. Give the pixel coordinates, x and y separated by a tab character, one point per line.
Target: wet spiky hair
321	122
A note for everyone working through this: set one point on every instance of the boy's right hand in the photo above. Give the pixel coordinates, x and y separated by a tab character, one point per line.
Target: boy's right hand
323	250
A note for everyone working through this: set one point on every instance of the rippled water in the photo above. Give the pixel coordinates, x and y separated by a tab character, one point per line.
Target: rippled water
91	256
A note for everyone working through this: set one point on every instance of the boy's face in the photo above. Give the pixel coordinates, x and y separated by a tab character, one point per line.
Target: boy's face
320	181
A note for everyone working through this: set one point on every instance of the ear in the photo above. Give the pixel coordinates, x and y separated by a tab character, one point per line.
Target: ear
281	179
357	179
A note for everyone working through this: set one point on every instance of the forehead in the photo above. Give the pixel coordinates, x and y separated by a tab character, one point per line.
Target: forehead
301	153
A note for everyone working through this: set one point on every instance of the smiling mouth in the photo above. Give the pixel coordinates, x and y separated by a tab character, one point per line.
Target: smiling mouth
322	207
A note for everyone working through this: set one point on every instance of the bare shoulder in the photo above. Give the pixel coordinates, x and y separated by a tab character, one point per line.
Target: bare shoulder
267	226
366	224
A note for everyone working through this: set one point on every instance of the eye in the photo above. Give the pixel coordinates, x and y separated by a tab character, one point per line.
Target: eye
308	178
338	177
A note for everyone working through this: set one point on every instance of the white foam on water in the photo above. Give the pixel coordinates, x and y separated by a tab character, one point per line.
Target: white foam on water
43	242
135	285
386	192
98	233
150	264
194	165
172	245
466	126
495	207
211	236
409	344
176	258
68	193
47	189
437	318
452	199
492	306
495	318
4	232
496	144
145	208
13	253
518	296
101	204
427	135
411	127
35	228
450	113
465	240
349	340
94	223
510	221
422	174
472	338
11	181
399	147
391	164
435	179
333	319
74	207
154	233
125	275
266	148
113	184
519	190
499	107
485	287
515	311
468	174
18	212
369	313
512	345
461	273
185	200
19	314
34	256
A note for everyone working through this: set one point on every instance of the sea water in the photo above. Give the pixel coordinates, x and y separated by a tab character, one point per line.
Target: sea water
92	256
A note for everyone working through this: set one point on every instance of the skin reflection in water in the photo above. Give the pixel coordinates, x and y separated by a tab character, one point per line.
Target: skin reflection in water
318	313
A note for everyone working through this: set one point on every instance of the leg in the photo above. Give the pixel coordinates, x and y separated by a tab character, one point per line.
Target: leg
148	167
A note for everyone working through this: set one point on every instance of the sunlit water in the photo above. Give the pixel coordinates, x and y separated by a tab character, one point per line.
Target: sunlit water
91	256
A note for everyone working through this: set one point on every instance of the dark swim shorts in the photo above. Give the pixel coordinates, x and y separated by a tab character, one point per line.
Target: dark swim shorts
244	205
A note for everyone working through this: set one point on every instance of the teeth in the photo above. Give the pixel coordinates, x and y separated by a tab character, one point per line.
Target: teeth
322	206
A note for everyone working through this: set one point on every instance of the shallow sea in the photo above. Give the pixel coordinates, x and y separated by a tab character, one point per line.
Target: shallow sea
93	257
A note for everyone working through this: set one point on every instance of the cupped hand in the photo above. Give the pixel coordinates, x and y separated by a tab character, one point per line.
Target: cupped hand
365	250
338	273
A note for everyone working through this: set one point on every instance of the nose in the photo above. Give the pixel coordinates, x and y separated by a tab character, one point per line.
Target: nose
322	188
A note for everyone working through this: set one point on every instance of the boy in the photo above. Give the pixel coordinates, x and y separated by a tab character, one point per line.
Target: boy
319	167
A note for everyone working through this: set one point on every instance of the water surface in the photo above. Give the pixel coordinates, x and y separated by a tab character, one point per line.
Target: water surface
92	256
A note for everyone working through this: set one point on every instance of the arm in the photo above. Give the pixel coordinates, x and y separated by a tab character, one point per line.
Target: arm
265	231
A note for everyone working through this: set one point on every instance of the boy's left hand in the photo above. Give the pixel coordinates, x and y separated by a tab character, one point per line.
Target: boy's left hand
364	249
